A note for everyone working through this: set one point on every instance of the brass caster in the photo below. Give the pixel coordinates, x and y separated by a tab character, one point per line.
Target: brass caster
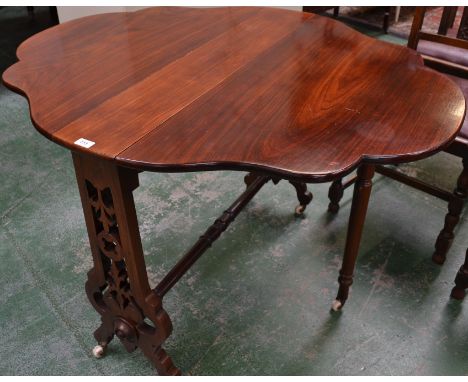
336	305
99	351
299	210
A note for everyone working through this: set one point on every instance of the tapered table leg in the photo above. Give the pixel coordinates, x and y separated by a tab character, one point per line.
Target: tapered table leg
461	281
362	190
117	284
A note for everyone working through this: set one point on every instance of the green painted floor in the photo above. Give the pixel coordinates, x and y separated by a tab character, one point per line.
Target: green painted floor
258	301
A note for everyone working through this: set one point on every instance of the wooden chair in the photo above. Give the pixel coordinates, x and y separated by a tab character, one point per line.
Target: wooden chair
461	281
450	56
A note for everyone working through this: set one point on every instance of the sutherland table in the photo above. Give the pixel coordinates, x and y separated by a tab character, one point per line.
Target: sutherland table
280	94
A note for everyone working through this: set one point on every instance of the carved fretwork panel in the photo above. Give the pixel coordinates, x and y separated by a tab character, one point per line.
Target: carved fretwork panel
117	294
117	285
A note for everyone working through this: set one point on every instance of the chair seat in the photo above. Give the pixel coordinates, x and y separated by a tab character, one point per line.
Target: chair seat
444	52
463	84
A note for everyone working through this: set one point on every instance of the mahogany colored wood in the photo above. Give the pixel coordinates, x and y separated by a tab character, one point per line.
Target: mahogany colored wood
118	285
357	217
280	93
463	28
461	281
417	34
455	207
303	195
306	98
446	21
211	234
335	193
448	18
458	147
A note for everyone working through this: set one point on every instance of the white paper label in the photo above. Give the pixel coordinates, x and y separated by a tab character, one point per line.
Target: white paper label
84	143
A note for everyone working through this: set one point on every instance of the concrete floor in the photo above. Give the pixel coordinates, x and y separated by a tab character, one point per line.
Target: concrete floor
258	302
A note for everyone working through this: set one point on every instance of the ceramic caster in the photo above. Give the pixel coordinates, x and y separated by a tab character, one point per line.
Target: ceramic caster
336	305
98	351
299	210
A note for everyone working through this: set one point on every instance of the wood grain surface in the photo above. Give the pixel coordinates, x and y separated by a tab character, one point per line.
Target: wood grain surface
181	89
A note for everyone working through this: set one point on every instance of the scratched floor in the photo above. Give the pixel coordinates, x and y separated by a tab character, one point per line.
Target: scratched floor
258	302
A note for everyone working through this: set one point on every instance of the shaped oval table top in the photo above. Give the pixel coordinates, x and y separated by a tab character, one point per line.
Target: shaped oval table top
182	89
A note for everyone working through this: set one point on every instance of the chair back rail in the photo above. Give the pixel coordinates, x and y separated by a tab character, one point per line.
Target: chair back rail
446	22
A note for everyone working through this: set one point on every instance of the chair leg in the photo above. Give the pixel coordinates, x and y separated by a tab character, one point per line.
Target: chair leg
455	207
461	281
335	193
386	21
336	12
117	285
30	12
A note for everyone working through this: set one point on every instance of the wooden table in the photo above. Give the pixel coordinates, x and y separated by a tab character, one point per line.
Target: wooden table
281	94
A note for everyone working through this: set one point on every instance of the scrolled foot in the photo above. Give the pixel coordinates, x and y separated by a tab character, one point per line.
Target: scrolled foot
336	305
303	195
99	351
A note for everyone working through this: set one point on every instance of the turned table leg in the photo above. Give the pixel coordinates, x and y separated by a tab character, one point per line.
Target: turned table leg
461	281
117	284
362	190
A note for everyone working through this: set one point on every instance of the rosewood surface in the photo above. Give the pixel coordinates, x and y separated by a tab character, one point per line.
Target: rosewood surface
283	94
178	89
445	54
